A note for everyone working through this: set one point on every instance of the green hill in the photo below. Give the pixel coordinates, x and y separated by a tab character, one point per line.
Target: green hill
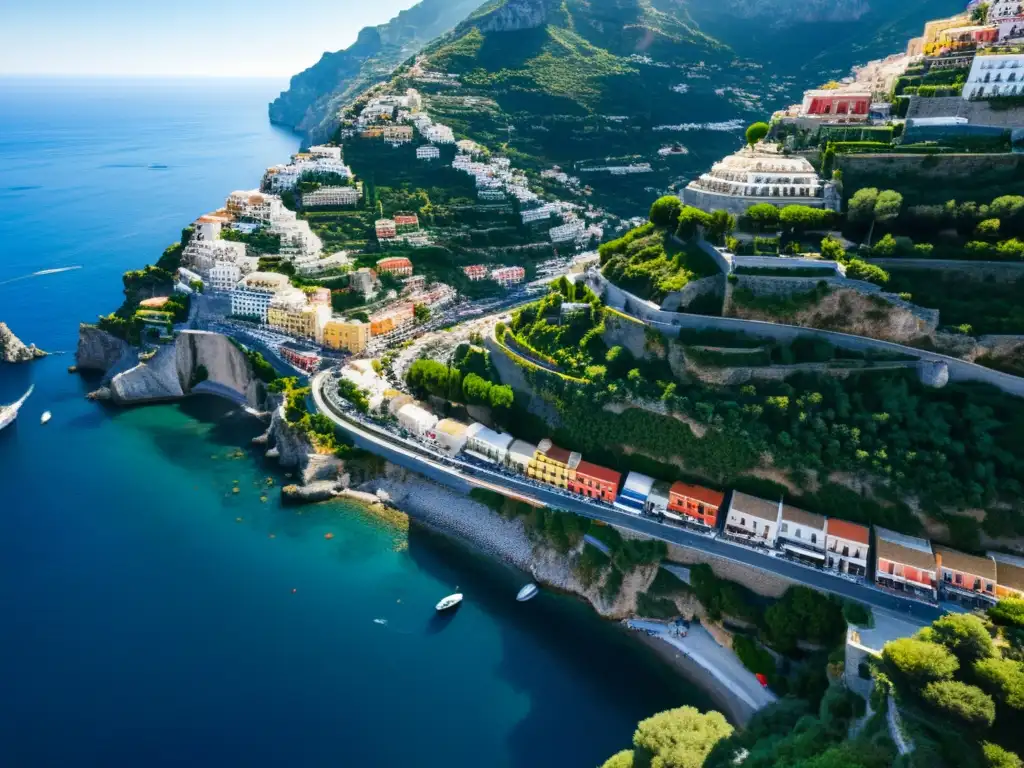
315	95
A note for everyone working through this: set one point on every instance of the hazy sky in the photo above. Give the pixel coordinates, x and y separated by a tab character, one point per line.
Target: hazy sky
180	37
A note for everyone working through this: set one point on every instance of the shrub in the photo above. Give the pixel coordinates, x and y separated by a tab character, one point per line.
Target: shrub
1004	678
803	614
764	216
679	738
1008	612
665	211
856	269
965	635
857	613
756	132
997	757
923	250
961	701
832	249
988	229
754	657
920	661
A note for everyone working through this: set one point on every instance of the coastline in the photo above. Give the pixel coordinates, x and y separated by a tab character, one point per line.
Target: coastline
462	519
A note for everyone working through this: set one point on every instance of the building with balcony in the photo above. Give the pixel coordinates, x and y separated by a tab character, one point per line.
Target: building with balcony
595	482
932	29
568	232
760	175
1009	575
753	519
385	229
253	205
427	152
346	335
406	222
364	281
298	241
202	255
520	454
487	444
846	547
1008	16
397	134
553	465
333	197
838	104
996	71
417	420
508	276
450	435
905	564
801	535
223	276
395	265
323	150
475	272
695	503
967	579
392	318
251	296
290	313
636	491
209	225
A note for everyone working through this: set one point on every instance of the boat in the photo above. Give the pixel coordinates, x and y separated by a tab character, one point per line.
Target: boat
46	417
449	602
527	593
8	413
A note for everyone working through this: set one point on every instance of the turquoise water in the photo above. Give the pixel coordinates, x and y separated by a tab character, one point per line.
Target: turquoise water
153	617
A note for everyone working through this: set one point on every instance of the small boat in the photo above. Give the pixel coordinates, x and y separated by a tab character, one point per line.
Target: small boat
527	593
46	417
449	602
8	413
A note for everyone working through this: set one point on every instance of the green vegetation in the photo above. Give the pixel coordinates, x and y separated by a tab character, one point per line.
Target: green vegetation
988	305
676	738
430	377
259	242
756	131
354	394
262	369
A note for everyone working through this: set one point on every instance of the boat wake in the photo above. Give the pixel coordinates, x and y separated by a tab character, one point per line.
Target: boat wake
40	273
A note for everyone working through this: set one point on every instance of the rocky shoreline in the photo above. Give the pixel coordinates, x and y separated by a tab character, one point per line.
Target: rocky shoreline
14	350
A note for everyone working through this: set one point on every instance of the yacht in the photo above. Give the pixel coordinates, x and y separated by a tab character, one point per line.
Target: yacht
8	413
528	592
46	417
449	602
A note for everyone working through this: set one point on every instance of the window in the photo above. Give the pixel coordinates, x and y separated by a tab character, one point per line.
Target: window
814	538
743	521
785	527
798	533
846	551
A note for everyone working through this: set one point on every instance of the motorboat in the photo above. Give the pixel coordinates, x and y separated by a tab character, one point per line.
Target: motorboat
45	417
8	413
449	602
527	593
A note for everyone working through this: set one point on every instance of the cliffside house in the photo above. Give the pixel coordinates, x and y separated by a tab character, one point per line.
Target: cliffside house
1009	575
553	465
508	276
595	482
427	152
635	493
488	444
996	71
364	280
753	520
905	564
475	272
328	197
846	547
407	222
395	265
695	503
967	579
385	229
251	296
801	535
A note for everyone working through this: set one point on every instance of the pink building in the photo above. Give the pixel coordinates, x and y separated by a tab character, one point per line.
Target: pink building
836	104
396	265
508	275
475	272
320	296
385	228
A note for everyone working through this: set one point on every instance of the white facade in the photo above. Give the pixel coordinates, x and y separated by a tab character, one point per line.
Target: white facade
802	533
339	260
846	554
451	435
488	443
565	233
223	276
760	173
298	241
752	518
520	454
427	152
328	196
255	205
995	74
538	214
416	420
1009	15
322	150
202	255
507	276
253	293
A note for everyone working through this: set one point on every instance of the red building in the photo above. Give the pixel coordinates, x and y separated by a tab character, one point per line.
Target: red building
304	359
475	272
385	229
396	265
595	482
406	221
836	103
697	503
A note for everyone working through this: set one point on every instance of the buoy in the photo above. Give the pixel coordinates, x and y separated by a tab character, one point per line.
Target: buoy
263	499
328	536
294	591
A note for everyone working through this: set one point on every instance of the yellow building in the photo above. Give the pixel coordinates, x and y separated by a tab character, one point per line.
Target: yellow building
300	322
553	465
349	335
932	31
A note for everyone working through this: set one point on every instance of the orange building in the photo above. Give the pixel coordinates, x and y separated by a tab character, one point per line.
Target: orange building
905	563
698	504
392	318
396	265
966	578
595	482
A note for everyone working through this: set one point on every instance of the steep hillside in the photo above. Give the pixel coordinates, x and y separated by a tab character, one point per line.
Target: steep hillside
314	95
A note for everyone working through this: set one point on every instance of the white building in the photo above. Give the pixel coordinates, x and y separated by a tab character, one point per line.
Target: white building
254	205
450	435
568	232
416	420
364	280
1009	16
847	545
322	150
332	196
223	276
802	534
438	134
754	519
487	444
520	454
298	241
252	294
508	276
427	152
995	72
538	214
635	491
339	260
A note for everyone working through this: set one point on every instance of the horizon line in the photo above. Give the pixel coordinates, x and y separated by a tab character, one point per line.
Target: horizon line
147	75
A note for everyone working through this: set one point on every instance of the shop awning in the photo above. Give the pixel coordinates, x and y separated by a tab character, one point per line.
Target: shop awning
804	552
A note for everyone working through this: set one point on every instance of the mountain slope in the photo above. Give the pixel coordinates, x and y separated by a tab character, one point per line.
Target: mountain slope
314	95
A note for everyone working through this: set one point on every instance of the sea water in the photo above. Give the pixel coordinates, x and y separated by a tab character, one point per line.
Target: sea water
160	607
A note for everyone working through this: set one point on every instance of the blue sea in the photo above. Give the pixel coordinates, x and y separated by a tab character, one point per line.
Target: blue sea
152	616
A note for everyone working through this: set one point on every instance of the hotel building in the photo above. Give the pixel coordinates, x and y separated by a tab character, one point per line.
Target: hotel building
427	152
347	335
252	294
396	265
327	197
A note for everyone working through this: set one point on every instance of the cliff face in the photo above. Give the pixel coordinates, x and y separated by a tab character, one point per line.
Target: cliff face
515	15
98	350
225	364
12	350
155	379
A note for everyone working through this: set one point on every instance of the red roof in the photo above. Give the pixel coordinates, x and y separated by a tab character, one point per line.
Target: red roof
394	261
698	493
558	454
598	472
848	531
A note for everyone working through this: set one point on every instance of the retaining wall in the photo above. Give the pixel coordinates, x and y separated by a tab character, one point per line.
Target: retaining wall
976	270
670	323
679	300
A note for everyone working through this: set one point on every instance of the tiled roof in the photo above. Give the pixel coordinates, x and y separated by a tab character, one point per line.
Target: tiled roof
952	560
1009	570
848	531
906	550
802	517
698	493
599	473
753	506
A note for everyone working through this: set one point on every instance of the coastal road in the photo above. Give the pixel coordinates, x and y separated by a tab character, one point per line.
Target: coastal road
464	477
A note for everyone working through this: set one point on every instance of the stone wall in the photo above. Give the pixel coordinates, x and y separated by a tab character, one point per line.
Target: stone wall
677	301
946	167
670	323
786	262
510	373
1006	271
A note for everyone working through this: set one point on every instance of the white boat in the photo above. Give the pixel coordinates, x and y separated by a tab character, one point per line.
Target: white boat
8	413
528	592
46	417
449	602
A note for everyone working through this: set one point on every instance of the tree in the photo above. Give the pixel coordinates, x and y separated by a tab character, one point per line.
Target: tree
988	229
803	614
997	757
861	208
801	218
689	219
832	249
678	738
1004	678
869	206
623	759
721	224
961	701
764	216
421	313
756	132
965	635
1008	612
920	661
665	211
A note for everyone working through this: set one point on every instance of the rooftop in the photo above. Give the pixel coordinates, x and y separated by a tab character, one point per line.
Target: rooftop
698	493
802	517
952	560
452	427
754	506
848	531
598	472
907	550
1009	570
638	484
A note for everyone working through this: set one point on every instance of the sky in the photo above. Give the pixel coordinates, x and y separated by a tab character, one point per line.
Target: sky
212	38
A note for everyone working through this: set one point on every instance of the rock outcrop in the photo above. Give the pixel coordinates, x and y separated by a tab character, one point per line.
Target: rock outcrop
13	350
152	380
514	15
98	350
224	363
293	450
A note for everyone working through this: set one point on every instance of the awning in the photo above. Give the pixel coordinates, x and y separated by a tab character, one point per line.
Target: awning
671	515
804	552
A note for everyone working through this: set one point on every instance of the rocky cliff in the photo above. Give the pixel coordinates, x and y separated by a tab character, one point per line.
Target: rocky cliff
154	379
12	350
98	350
224	363
514	15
